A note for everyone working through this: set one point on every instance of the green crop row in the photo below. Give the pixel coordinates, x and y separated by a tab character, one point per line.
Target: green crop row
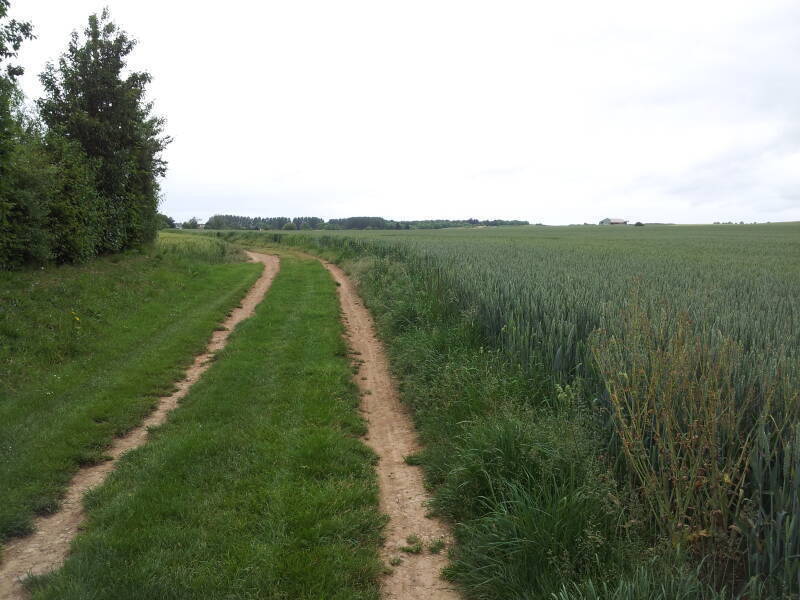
685	342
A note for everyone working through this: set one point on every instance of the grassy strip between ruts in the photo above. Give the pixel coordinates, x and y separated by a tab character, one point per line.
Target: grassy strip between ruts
86	350
257	486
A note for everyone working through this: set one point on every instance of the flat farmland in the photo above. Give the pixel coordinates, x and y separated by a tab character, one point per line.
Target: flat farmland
598	412
669	354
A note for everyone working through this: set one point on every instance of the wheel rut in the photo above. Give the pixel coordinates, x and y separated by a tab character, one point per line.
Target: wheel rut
392	436
48	546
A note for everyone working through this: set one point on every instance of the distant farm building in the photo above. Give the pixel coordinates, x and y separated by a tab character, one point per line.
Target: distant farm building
613	222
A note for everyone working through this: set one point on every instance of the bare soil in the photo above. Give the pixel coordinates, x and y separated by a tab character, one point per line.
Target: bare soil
47	547
391	435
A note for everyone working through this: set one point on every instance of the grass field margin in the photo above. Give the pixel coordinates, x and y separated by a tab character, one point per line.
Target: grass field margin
87	350
258	486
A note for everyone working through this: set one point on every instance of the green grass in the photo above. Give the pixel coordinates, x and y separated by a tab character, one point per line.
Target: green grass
681	347
257	486
436	546
86	350
414	545
647	581
519	479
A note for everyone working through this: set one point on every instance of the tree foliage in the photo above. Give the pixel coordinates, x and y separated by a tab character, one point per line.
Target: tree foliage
25	187
18	213
79	178
12	34
238	222
165	222
255	223
88	100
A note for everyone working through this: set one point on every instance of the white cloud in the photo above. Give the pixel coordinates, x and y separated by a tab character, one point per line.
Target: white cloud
553	112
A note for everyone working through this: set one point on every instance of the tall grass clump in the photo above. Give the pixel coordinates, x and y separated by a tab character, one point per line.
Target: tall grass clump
198	248
534	506
651	581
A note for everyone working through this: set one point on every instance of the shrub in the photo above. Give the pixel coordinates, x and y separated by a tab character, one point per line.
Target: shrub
26	187
73	220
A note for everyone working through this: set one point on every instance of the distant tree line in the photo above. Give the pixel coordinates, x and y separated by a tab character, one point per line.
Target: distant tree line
79	170
237	222
165	222
285	223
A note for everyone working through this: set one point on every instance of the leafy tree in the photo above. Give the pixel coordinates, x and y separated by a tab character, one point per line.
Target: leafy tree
238	222
289	226
165	222
361	223
27	186
74	220
218	222
191	224
52	209
57	199
308	222
276	222
88	100
12	34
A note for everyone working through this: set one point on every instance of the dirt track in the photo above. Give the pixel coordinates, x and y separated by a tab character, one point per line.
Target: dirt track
45	549
391	435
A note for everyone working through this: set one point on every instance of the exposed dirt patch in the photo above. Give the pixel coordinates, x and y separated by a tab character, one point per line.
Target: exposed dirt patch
392	436
45	549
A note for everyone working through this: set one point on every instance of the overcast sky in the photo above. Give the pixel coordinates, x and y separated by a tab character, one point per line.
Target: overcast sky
554	112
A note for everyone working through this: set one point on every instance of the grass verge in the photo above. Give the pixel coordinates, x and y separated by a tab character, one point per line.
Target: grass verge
85	351
257	487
